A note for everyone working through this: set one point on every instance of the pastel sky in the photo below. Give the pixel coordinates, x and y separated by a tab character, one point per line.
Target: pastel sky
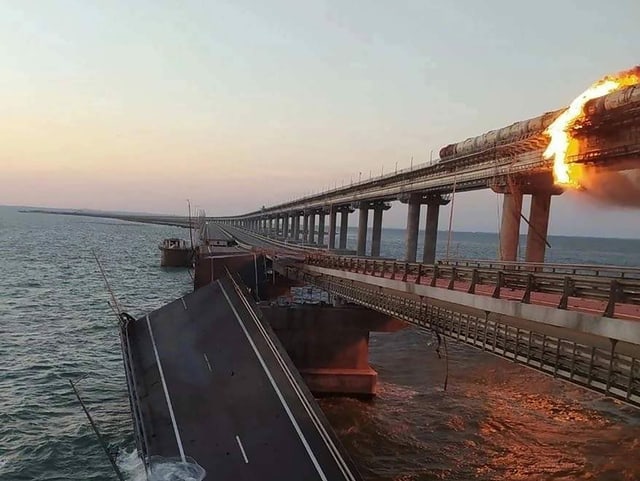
139	105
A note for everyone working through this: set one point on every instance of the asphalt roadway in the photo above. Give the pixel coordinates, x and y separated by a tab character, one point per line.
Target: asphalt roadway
215	385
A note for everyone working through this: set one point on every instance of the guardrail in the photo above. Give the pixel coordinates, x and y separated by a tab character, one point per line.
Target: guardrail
135	400
543	267
604	370
499	277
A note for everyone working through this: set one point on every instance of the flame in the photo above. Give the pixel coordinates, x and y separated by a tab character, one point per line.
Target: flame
559	131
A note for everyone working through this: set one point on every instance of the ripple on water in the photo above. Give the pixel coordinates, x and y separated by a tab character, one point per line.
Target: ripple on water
56	325
496	420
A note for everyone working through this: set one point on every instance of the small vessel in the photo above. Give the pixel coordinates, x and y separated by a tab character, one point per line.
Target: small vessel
176	253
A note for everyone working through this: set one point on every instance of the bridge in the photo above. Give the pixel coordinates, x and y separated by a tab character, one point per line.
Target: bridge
508	161
575	322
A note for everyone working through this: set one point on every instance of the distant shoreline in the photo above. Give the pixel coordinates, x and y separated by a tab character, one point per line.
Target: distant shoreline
182	221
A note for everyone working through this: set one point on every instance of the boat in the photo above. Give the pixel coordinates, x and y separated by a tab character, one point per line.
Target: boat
176	253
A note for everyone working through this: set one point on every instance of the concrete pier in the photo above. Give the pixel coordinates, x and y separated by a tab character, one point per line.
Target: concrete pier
510	227
285	226
538	226
413	225
376	234
305	227
431	230
330	345
312	228
296	226
344	225
321	219
363	218
333	217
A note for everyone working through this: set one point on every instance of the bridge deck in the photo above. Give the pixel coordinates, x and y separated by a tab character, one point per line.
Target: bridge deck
213	383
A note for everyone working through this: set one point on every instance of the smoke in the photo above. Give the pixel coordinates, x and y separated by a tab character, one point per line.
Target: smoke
621	188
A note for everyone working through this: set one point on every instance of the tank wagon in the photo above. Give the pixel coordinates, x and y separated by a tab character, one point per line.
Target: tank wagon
625	99
528	135
519	136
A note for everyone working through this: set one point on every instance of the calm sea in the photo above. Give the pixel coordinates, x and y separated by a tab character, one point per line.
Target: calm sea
496	420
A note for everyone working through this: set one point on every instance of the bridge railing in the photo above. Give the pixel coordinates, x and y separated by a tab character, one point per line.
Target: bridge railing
567	269
603	369
501	281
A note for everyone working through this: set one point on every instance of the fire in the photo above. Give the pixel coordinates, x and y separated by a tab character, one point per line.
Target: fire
559	131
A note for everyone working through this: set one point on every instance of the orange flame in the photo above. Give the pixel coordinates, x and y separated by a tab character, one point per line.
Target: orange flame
559	131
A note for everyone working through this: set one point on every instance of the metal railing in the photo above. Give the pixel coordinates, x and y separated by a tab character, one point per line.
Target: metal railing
606	371
135	399
568	269
510	281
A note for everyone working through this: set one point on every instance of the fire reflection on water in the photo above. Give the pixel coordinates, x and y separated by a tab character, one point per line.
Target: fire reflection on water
496	421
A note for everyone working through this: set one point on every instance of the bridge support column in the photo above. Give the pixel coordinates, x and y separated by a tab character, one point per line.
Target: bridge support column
431	229
305	228
333	217
269	226
413	224
538	226
363	219
321	218
510	226
344	226
376	232
312	228
285	226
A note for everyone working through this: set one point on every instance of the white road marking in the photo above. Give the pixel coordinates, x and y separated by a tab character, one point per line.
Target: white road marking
206	359
166	392
184	304
275	386
244	455
323	433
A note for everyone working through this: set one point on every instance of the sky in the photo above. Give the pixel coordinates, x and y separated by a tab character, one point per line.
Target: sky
137	106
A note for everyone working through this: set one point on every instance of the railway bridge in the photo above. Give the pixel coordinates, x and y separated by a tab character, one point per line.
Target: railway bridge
509	161
578	323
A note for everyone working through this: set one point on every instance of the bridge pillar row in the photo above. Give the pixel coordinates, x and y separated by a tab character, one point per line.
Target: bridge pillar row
376	231
414	202
539	224
541	188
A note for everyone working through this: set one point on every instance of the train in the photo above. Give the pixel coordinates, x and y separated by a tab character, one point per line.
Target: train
525	131
528	135
627	98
